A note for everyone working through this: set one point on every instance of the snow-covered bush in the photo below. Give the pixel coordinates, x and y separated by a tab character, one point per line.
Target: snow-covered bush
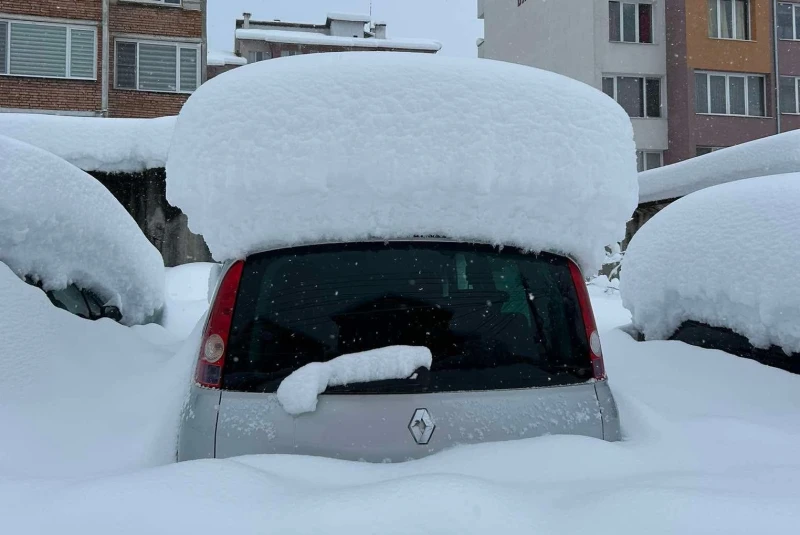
61	226
727	256
373	145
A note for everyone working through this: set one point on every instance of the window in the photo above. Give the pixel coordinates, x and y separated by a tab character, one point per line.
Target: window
47	50
157	66
790	94
630	22
648	159
729	19
492	319
707	150
640	97
729	94
285	52
788	21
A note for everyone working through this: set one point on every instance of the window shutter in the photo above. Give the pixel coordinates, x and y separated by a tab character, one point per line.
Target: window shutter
157	67
188	69
82	53
3	39
38	50
126	66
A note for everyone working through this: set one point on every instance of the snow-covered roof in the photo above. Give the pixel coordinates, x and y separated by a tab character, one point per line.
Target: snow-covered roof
349	146
311	38
767	156
62	226
95	144
350	17
727	256
219	58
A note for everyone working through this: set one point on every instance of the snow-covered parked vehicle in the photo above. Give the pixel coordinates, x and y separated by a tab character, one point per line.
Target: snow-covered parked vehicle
719	269
64	232
405	280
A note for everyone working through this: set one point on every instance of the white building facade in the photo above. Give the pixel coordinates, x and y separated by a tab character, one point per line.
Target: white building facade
617	47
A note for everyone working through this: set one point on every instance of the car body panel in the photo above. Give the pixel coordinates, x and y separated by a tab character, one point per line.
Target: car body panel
375	428
199	424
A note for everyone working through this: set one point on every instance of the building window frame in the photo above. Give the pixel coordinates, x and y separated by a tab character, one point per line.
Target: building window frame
165	3
728	75
795	89
748	28
5	61
706	150
645	79
620	6
178	45
642	163
795	13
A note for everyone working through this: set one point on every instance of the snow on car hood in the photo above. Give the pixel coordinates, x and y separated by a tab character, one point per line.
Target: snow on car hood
61	226
364	145
727	256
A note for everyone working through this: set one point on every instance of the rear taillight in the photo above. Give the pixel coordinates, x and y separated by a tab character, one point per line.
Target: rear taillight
215	338
592	336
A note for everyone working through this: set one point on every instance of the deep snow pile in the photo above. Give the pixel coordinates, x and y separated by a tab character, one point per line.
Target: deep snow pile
60	225
298	393
186	296
79	397
767	156
727	256
710	447
95	144
220	58
358	145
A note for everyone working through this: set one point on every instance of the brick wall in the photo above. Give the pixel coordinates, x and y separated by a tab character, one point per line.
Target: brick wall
147	21
65	9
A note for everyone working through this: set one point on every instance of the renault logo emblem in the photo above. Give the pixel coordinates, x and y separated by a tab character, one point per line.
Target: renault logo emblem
421	426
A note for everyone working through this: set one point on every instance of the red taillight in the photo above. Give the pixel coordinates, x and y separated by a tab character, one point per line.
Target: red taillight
592	336
215	338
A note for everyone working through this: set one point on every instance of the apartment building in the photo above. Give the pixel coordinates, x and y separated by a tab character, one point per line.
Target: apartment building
694	75
617	47
112	58
341	32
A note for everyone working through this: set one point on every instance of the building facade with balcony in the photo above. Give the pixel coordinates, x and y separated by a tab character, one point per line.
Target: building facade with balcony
112	58
694	75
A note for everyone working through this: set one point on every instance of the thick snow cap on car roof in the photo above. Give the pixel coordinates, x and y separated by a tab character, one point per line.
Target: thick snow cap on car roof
61	226
359	145
727	256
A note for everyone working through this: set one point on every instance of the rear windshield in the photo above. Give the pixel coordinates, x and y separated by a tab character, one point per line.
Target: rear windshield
493	319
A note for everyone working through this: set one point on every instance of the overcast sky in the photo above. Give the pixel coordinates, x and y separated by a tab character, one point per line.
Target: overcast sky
452	22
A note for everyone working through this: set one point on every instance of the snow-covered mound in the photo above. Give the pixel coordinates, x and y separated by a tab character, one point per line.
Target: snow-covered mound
727	256
368	144
186	296
79	397
298	392
771	155
62	226
95	144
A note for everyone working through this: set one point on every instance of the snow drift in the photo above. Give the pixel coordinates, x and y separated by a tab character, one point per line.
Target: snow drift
727	256
186	296
95	144
372	145
298	392
61	226
771	155
80	398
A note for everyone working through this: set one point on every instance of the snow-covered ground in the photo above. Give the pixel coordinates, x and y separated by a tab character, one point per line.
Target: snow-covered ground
710	447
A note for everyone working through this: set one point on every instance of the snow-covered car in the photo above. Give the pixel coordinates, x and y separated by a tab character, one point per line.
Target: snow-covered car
403	260
718	269
64	231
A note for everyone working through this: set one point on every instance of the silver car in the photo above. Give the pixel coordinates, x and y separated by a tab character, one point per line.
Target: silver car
515	351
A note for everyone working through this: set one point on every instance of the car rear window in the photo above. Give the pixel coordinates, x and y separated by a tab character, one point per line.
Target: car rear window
492	318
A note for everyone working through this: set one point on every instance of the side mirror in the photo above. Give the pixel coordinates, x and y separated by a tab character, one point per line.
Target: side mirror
112	312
